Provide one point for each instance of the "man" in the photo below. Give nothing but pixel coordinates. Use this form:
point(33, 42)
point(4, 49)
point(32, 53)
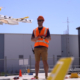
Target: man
point(41, 37)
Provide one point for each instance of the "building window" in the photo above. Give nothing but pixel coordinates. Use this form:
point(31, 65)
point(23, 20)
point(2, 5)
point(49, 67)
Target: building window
point(21, 60)
point(21, 56)
point(58, 57)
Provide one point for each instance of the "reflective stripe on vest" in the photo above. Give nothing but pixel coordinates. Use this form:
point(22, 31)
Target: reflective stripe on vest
point(45, 31)
point(42, 41)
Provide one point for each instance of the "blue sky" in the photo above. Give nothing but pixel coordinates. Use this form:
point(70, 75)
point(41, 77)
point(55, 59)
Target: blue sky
point(55, 13)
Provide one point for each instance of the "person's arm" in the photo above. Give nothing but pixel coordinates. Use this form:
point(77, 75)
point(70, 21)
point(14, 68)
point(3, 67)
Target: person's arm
point(48, 38)
point(33, 38)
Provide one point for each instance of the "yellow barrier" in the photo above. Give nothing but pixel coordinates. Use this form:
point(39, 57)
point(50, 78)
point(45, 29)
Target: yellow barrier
point(74, 75)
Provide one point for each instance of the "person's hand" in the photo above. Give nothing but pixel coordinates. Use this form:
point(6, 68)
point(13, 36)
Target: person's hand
point(36, 38)
point(43, 37)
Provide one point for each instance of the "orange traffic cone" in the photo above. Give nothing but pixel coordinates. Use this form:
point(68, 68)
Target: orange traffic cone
point(20, 73)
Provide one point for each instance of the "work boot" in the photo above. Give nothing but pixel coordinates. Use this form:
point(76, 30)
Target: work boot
point(36, 77)
point(46, 77)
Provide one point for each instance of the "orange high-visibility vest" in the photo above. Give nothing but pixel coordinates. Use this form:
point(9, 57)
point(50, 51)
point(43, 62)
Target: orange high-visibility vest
point(41, 41)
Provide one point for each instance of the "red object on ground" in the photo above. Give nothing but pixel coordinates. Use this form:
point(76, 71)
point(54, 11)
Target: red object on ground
point(66, 77)
point(15, 78)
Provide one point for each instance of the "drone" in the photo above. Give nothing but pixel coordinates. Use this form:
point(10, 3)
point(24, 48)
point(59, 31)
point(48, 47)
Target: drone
point(13, 21)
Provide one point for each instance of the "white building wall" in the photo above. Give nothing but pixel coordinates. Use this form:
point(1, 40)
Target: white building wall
point(74, 48)
point(20, 44)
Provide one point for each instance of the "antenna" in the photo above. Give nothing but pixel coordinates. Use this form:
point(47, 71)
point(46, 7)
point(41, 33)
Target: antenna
point(67, 31)
point(67, 39)
point(68, 25)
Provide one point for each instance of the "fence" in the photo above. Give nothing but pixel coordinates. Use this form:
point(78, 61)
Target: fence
point(13, 66)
